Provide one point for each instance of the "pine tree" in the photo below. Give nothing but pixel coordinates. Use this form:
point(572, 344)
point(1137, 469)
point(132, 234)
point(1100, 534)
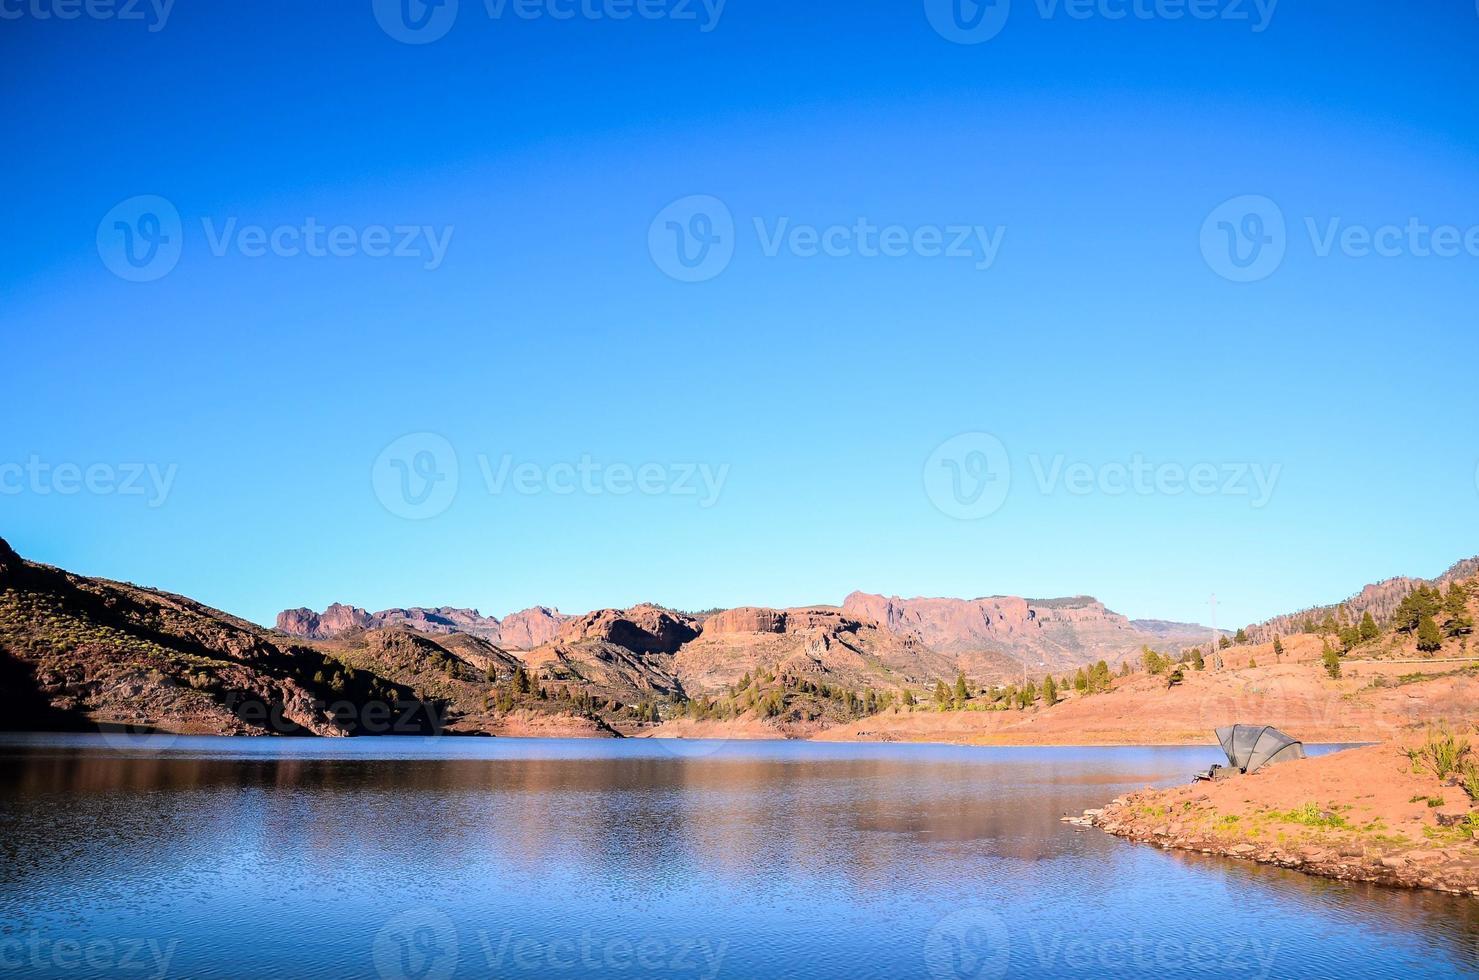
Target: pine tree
point(961, 693)
point(1198, 662)
point(1099, 677)
point(1081, 681)
point(1368, 628)
point(1242, 636)
point(1155, 663)
point(1331, 660)
point(1049, 692)
point(1125, 669)
point(942, 694)
point(1429, 639)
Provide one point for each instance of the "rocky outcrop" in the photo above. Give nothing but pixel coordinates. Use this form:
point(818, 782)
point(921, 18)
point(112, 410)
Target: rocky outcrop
point(642, 629)
point(1053, 634)
point(754, 619)
point(336, 619)
point(521, 630)
point(529, 628)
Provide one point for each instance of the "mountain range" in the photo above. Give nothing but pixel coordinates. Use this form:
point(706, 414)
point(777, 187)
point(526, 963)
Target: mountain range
point(921, 638)
point(78, 651)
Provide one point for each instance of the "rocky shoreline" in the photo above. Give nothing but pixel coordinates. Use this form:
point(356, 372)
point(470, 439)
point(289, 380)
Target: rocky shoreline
point(1334, 842)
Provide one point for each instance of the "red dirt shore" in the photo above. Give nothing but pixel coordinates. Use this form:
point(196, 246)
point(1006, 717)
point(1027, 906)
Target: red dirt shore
point(1359, 815)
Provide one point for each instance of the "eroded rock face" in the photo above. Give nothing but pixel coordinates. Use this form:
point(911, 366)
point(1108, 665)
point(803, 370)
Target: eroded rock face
point(322, 626)
point(529, 628)
point(643, 629)
point(521, 630)
point(1052, 633)
point(758, 619)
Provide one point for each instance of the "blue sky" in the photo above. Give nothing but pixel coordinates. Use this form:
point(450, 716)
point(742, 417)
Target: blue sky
point(816, 390)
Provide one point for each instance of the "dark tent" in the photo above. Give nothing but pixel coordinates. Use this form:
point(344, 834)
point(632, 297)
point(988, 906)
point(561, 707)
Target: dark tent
point(1251, 747)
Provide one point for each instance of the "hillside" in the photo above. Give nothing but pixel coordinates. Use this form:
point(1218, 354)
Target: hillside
point(1380, 599)
point(81, 653)
point(78, 652)
point(1320, 686)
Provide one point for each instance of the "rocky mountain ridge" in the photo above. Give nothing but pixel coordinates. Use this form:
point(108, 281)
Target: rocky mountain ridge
point(990, 638)
point(1380, 599)
point(522, 630)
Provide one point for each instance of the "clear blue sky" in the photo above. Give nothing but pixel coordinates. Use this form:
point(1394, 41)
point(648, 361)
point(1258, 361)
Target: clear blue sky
point(549, 332)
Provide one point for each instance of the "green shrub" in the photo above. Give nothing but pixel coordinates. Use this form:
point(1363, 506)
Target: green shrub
point(1469, 779)
point(1310, 815)
point(1442, 753)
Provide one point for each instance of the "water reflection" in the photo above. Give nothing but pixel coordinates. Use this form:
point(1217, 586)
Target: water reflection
point(805, 861)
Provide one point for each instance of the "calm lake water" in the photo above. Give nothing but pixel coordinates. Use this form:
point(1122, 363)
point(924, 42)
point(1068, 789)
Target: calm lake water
point(443, 857)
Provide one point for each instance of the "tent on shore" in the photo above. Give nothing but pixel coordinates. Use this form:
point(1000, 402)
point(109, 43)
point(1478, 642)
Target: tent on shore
point(1251, 747)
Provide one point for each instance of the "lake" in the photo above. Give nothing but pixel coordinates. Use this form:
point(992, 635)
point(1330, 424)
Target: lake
point(427, 858)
